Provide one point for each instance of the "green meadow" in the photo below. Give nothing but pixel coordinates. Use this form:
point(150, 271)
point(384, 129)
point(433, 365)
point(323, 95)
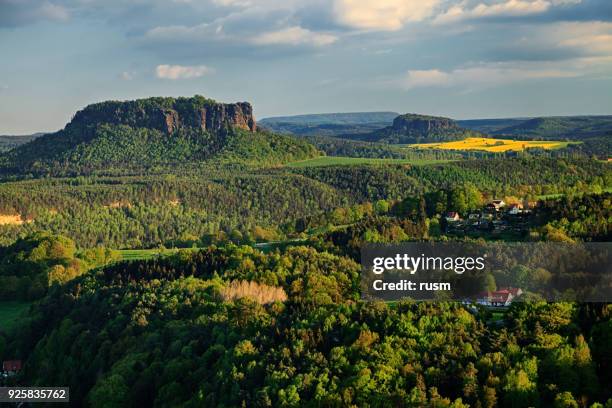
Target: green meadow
point(355, 161)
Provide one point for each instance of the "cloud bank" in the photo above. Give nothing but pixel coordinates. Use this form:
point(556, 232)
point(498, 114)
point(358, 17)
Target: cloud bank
point(174, 72)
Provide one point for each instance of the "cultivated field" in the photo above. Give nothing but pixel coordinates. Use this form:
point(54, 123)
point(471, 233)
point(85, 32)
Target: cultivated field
point(354, 161)
point(492, 145)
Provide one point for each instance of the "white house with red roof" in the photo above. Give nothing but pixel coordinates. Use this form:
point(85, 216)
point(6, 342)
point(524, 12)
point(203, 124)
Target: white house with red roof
point(452, 216)
point(498, 298)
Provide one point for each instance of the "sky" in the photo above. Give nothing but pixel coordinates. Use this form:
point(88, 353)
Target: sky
point(457, 58)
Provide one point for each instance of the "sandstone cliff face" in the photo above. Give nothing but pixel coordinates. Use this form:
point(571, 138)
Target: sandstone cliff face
point(412, 128)
point(168, 114)
point(422, 124)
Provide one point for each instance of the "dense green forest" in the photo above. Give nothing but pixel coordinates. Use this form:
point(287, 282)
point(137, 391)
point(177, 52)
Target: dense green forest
point(123, 147)
point(149, 210)
point(262, 306)
point(33, 264)
point(182, 330)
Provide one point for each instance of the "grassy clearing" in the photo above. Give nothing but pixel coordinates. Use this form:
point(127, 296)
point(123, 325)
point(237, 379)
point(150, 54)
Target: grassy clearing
point(492, 145)
point(10, 311)
point(141, 254)
point(355, 161)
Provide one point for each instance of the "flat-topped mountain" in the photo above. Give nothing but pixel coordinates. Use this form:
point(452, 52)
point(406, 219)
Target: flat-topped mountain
point(168, 114)
point(154, 131)
point(415, 128)
point(422, 125)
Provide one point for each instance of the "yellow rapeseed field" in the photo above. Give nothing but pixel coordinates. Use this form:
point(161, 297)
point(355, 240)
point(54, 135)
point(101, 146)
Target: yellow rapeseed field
point(491, 145)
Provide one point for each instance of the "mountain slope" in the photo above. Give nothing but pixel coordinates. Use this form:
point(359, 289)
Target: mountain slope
point(155, 131)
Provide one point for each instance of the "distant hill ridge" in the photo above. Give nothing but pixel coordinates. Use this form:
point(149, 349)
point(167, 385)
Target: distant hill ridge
point(352, 118)
point(385, 127)
point(8, 142)
point(548, 127)
point(329, 124)
point(357, 125)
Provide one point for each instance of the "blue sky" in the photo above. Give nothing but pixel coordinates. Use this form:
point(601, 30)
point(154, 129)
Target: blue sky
point(457, 58)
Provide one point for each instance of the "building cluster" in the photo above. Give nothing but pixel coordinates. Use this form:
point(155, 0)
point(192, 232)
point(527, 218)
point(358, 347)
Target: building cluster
point(495, 217)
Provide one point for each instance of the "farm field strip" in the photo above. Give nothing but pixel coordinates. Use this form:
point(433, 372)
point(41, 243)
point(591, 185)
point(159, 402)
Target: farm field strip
point(492, 145)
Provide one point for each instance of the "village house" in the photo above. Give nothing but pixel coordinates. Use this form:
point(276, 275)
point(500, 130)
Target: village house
point(496, 205)
point(452, 216)
point(11, 367)
point(515, 209)
point(498, 298)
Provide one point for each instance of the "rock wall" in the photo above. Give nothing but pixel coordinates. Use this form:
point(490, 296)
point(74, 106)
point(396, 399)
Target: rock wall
point(422, 124)
point(169, 114)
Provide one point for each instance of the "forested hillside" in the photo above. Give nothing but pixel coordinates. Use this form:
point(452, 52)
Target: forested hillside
point(554, 127)
point(179, 331)
point(167, 252)
point(149, 210)
point(152, 132)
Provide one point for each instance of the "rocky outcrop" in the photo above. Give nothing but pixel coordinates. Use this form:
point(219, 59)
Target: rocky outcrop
point(168, 114)
point(412, 128)
point(422, 124)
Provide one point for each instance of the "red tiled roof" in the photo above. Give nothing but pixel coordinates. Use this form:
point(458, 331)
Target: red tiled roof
point(11, 365)
point(499, 296)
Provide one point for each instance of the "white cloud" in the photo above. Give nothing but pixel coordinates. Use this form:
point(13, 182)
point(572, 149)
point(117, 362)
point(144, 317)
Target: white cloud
point(203, 31)
point(426, 78)
point(382, 15)
point(127, 75)
point(53, 12)
point(182, 71)
point(294, 36)
point(484, 75)
point(233, 3)
point(511, 8)
point(591, 37)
